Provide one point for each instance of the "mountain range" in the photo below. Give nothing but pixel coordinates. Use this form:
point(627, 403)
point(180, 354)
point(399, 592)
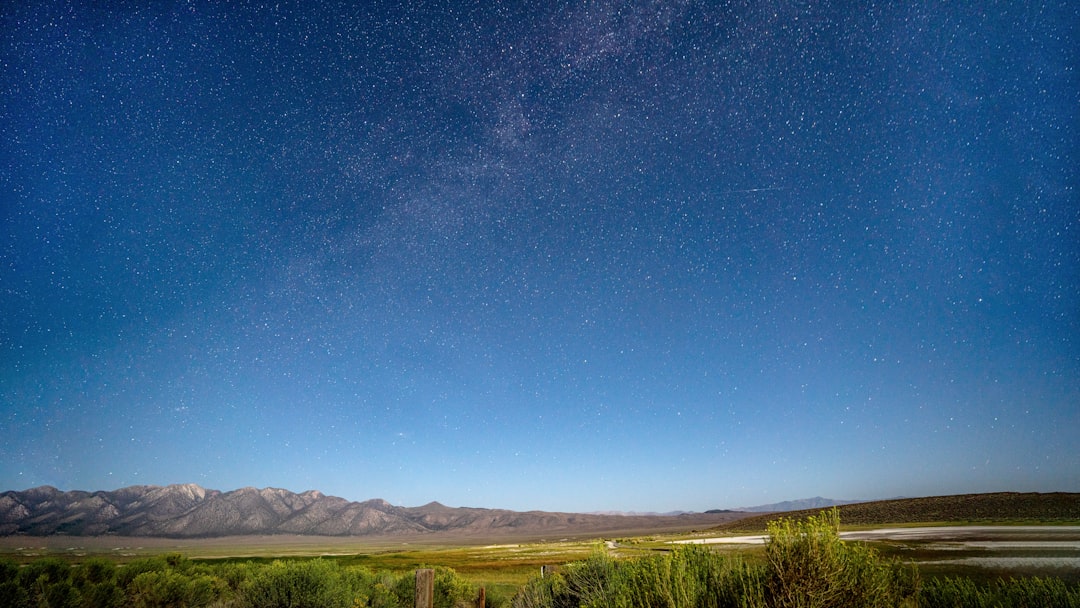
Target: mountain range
point(816, 502)
point(190, 511)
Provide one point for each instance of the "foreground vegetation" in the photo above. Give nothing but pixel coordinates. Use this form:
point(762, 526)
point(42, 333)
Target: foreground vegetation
point(804, 564)
point(172, 581)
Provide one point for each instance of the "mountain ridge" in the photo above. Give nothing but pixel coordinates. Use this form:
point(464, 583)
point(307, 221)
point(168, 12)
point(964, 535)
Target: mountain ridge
point(817, 502)
point(191, 511)
point(958, 509)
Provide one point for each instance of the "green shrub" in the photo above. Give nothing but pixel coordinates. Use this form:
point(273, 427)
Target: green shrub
point(12, 595)
point(551, 591)
point(38, 577)
point(298, 584)
point(61, 594)
point(451, 590)
point(498, 596)
point(379, 589)
point(810, 567)
point(949, 592)
point(1038, 592)
point(94, 570)
point(593, 582)
point(403, 590)
point(44, 571)
point(11, 592)
point(1032, 592)
point(688, 576)
point(9, 570)
point(384, 594)
point(235, 575)
point(102, 595)
point(126, 574)
point(172, 589)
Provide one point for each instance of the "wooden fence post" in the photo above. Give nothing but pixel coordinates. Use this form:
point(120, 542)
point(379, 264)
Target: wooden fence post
point(425, 588)
point(480, 602)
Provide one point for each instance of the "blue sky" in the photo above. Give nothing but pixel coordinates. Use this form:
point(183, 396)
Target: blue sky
point(586, 256)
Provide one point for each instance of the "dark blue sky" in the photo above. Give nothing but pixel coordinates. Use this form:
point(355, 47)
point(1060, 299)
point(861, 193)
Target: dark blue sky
point(570, 256)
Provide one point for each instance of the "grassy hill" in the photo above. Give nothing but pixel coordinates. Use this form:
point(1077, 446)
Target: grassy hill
point(995, 508)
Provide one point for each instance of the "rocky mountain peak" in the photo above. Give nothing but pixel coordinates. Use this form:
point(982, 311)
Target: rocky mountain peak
point(195, 491)
point(188, 510)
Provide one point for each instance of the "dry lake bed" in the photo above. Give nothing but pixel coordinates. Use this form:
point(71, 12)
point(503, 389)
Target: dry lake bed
point(1040, 550)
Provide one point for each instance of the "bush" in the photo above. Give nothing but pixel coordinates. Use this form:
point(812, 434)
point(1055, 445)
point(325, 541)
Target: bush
point(1036, 591)
point(593, 582)
point(61, 594)
point(9, 570)
point(298, 584)
point(39, 577)
point(94, 570)
point(688, 576)
point(1032, 592)
point(544, 592)
point(12, 595)
point(691, 575)
point(452, 591)
point(45, 571)
point(235, 575)
point(172, 589)
point(379, 589)
point(102, 595)
point(810, 567)
point(126, 574)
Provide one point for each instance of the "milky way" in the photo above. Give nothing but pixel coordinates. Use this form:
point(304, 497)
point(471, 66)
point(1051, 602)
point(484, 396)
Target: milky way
point(578, 256)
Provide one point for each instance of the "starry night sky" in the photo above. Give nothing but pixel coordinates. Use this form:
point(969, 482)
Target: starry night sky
point(553, 255)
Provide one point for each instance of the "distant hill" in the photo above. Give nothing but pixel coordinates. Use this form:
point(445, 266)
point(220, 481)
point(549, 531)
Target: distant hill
point(1000, 507)
point(648, 513)
point(190, 511)
point(816, 502)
